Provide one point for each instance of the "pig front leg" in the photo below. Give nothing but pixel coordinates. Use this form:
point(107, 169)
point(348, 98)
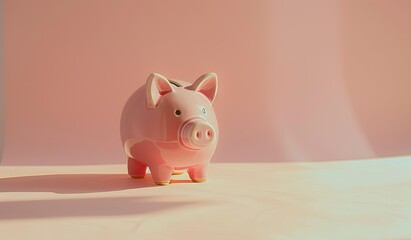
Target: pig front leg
point(198, 173)
point(135, 168)
point(161, 173)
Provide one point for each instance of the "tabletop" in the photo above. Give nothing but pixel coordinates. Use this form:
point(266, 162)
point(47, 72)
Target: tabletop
point(355, 199)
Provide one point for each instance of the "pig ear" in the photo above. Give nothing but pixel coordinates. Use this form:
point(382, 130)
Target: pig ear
point(207, 85)
point(156, 87)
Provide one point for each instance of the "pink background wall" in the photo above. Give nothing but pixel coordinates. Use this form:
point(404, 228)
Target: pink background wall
point(299, 80)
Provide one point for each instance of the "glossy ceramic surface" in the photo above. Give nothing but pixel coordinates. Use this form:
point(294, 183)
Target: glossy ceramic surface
point(169, 125)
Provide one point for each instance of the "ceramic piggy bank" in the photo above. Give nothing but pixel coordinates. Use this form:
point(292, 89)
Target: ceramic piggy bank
point(170, 126)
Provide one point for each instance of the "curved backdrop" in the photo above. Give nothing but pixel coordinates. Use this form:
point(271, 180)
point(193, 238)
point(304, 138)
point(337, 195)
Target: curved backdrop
point(299, 80)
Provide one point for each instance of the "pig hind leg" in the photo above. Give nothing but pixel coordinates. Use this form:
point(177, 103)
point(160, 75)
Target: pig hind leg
point(136, 169)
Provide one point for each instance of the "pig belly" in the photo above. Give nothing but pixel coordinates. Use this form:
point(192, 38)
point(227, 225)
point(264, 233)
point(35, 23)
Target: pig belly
point(171, 154)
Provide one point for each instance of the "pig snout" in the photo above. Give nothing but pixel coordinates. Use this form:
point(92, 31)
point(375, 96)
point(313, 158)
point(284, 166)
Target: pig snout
point(197, 134)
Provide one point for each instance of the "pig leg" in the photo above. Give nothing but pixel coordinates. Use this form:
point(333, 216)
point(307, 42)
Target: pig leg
point(198, 173)
point(135, 168)
point(161, 173)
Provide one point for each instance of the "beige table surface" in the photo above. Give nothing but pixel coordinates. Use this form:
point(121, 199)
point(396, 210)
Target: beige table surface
point(362, 199)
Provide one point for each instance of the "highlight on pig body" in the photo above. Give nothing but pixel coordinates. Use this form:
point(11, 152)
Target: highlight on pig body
point(169, 126)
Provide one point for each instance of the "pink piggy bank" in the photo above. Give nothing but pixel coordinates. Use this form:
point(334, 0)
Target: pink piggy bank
point(169, 126)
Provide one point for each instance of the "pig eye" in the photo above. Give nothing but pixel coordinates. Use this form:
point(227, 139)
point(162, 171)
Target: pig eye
point(177, 112)
point(204, 111)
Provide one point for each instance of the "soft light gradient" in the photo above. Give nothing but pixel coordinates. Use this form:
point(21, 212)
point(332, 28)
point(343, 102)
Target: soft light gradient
point(1, 82)
point(299, 80)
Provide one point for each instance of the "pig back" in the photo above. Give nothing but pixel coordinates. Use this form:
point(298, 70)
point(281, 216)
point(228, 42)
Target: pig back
point(138, 123)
